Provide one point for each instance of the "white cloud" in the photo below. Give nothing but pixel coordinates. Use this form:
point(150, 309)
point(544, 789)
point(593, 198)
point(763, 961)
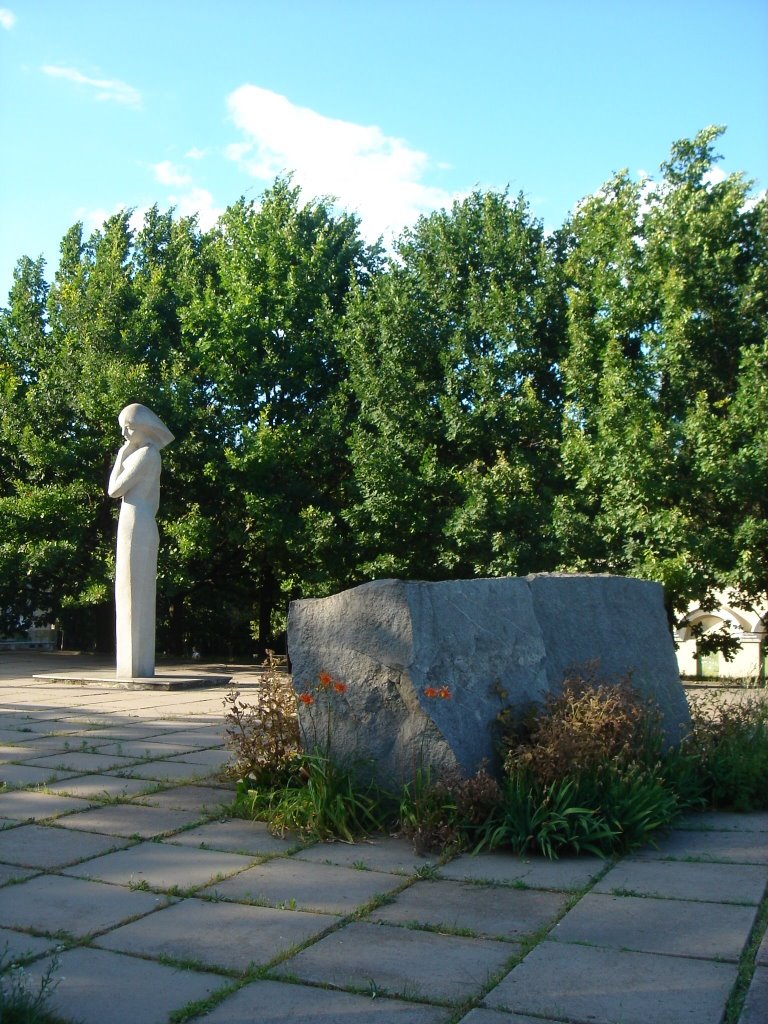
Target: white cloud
point(195, 153)
point(199, 202)
point(168, 174)
point(110, 90)
point(7, 18)
point(714, 175)
point(377, 176)
point(93, 220)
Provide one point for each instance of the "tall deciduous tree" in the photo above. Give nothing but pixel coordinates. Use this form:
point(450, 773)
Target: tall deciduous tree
point(453, 359)
point(665, 304)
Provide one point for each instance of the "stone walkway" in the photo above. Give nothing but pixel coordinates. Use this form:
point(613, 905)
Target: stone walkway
point(118, 867)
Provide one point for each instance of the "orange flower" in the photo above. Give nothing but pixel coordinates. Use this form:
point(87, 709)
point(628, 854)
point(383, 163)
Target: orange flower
point(340, 687)
point(430, 691)
point(306, 698)
point(444, 692)
point(325, 679)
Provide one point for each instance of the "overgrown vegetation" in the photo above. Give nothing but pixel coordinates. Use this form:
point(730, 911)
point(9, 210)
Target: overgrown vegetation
point(589, 771)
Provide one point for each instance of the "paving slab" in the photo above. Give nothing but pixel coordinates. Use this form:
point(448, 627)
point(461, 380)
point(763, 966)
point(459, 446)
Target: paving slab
point(685, 880)
point(568, 874)
point(18, 946)
point(28, 805)
point(161, 866)
point(96, 985)
point(52, 903)
point(401, 962)
point(130, 820)
point(732, 846)
point(162, 771)
point(122, 729)
point(149, 748)
point(100, 786)
point(15, 776)
point(26, 751)
point(489, 911)
point(204, 736)
point(214, 757)
point(13, 873)
point(82, 761)
point(37, 846)
point(481, 1016)
point(762, 953)
point(190, 798)
point(381, 853)
point(234, 836)
point(325, 888)
point(674, 927)
point(274, 1002)
point(224, 935)
point(754, 1009)
point(724, 821)
point(605, 986)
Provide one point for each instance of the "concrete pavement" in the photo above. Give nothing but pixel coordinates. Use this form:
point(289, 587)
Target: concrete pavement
point(119, 867)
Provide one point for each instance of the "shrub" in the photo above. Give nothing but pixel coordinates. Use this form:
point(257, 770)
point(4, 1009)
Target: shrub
point(587, 771)
point(589, 724)
point(447, 813)
point(729, 744)
point(264, 735)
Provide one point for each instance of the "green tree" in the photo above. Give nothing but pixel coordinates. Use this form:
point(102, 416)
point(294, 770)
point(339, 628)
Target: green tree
point(453, 358)
point(666, 300)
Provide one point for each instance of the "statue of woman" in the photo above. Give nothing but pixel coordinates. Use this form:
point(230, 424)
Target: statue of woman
point(135, 478)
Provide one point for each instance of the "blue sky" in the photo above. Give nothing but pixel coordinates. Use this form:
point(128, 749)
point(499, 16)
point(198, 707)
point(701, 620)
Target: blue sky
point(394, 106)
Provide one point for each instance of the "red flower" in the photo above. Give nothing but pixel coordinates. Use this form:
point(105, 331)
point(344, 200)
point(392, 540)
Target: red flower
point(325, 679)
point(430, 691)
point(340, 687)
point(444, 692)
point(306, 698)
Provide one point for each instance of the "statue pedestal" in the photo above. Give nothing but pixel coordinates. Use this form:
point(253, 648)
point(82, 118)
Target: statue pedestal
point(177, 681)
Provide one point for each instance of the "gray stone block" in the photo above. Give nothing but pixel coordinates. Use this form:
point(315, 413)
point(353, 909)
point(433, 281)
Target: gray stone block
point(96, 985)
point(605, 986)
point(684, 880)
point(485, 910)
point(401, 962)
point(485, 645)
point(680, 928)
point(274, 1002)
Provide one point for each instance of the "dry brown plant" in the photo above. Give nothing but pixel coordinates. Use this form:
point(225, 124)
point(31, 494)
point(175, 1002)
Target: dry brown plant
point(263, 734)
point(590, 723)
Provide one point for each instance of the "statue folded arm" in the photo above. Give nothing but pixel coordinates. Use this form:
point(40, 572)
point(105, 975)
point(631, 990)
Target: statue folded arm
point(132, 466)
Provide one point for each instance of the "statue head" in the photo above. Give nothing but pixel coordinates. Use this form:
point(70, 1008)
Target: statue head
point(137, 421)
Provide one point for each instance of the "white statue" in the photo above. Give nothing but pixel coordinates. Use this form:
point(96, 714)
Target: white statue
point(135, 478)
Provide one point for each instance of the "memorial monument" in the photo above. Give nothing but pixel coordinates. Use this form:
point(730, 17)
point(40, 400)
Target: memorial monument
point(135, 478)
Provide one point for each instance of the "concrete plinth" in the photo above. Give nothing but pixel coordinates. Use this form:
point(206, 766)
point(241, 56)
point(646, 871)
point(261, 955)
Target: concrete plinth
point(167, 682)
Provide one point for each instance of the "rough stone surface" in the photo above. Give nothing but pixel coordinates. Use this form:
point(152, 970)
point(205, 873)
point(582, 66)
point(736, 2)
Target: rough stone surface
point(493, 643)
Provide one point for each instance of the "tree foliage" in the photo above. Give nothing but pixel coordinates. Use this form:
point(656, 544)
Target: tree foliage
point(489, 399)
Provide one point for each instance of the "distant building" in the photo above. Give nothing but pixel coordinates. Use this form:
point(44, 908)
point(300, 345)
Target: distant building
point(748, 627)
point(36, 638)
